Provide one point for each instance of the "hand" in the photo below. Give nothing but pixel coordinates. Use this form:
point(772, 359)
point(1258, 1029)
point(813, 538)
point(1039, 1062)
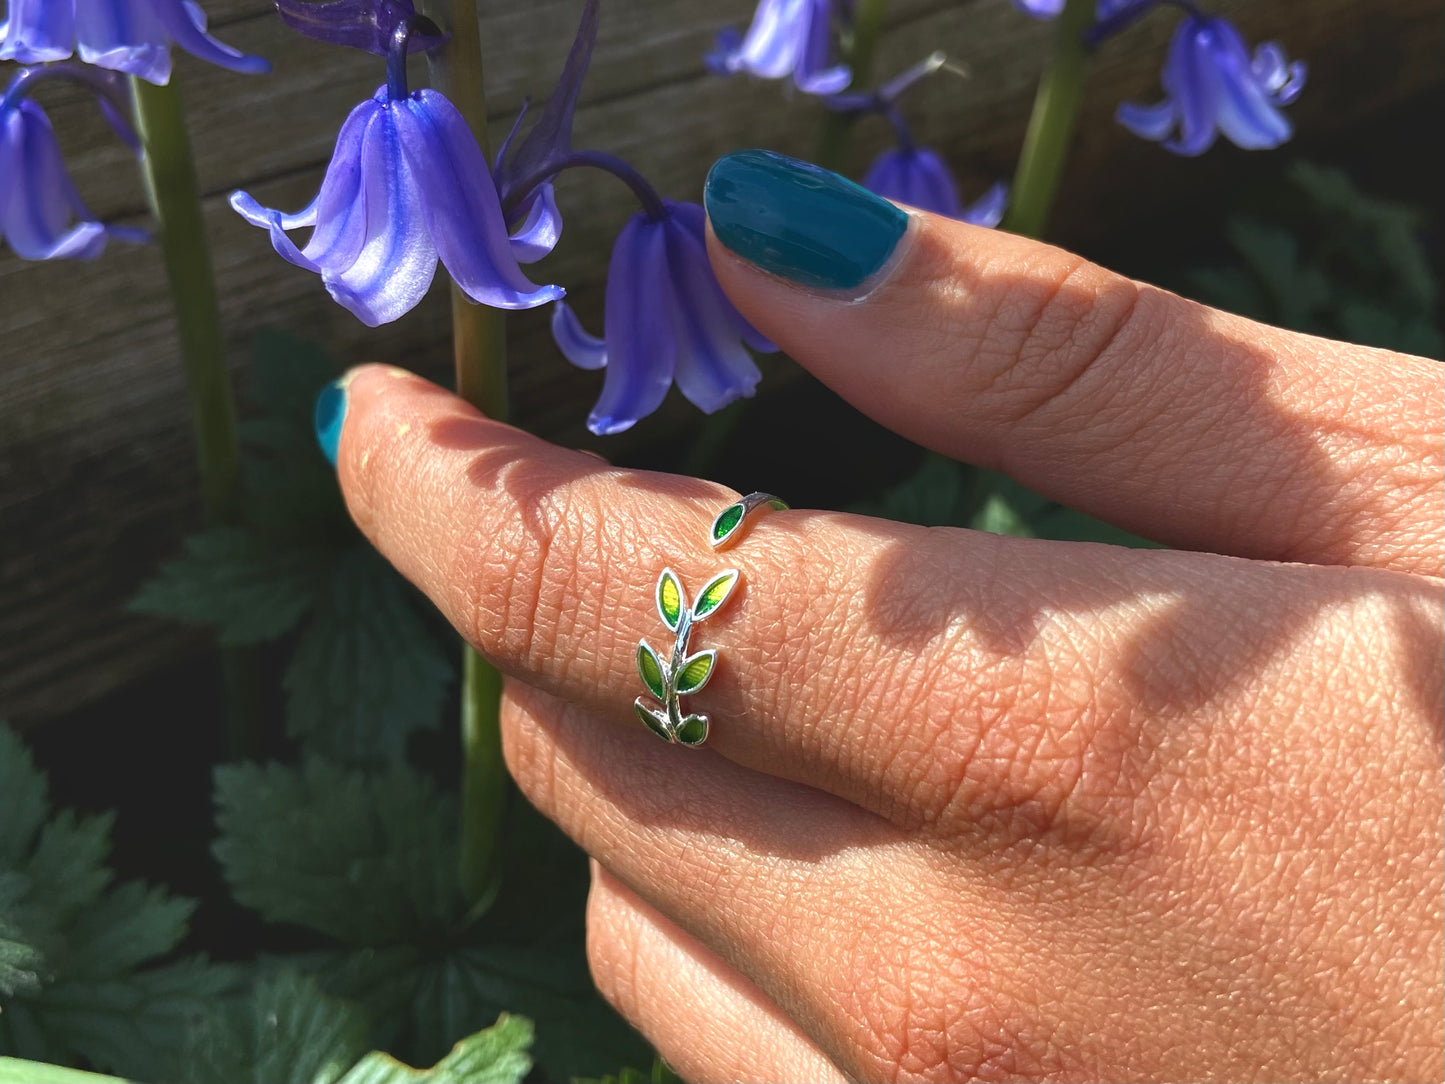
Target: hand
point(973, 806)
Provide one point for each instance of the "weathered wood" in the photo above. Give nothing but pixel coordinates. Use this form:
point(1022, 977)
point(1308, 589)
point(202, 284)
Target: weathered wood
point(96, 479)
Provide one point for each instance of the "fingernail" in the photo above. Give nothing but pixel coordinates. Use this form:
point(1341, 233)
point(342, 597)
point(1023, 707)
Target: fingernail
point(330, 413)
point(800, 222)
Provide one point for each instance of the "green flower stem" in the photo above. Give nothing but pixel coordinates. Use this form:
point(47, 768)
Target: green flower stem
point(857, 54)
point(1051, 126)
point(175, 199)
point(479, 347)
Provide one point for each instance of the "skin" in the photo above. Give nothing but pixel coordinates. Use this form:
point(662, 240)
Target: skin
point(974, 807)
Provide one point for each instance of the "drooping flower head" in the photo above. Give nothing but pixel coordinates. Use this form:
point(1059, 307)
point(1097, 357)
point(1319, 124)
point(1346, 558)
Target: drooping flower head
point(918, 177)
point(42, 216)
point(1104, 9)
point(667, 321)
point(1214, 86)
point(786, 38)
point(407, 184)
point(132, 36)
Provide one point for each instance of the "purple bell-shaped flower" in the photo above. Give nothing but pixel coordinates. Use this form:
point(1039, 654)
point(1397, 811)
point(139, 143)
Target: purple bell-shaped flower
point(918, 177)
point(787, 37)
point(42, 216)
point(132, 36)
point(1213, 86)
point(667, 320)
point(407, 185)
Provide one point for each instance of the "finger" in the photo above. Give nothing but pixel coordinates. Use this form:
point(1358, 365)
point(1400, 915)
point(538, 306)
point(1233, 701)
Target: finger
point(1185, 424)
point(942, 679)
point(707, 1020)
point(779, 880)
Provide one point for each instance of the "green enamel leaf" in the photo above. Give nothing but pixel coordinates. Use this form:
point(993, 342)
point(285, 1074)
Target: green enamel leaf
point(693, 730)
point(669, 599)
point(650, 667)
point(715, 593)
point(726, 523)
point(655, 721)
point(777, 504)
point(695, 672)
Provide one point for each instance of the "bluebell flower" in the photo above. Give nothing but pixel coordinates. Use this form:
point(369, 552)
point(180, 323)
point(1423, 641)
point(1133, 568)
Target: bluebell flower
point(787, 37)
point(918, 177)
point(1104, 9)
point(42, 216)
point(1213, 86)
point(667, 320)
point(133, 36)
point(407, 184)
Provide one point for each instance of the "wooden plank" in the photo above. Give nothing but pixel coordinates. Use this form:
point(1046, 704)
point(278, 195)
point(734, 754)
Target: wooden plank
point(95, 469)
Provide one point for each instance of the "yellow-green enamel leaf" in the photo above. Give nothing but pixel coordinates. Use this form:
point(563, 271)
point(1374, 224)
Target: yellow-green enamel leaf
point(695, 672)
point(649, 666)
point(693, 730)
point(715, 593)
point(669, 599)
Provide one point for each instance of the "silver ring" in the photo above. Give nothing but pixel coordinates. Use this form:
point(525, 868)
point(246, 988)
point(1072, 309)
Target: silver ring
point(682, 674)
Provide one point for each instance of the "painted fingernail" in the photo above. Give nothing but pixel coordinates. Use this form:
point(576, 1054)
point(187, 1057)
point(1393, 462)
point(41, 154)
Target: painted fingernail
point(799, 221)
point(330, 413)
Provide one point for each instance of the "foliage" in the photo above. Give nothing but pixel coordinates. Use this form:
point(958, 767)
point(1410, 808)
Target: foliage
point(80, 971)
point(367, 666)
point(660, 1073)
point(1322, 257)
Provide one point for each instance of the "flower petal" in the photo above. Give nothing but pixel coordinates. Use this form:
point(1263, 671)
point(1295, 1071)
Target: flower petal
point(124, 35)
point(713, 366)
point(1245, 112)
point(1148, 121)
point(42, 202)
point(641, 344)
point(772, 45)
point(398, 260)
point(36, 31)
point(460, 206)
point(1193, 84)
point(813, 75)
point(186, 24)
point(988, 210)
point(581, 349)
point(541, 229)
point(693, 218)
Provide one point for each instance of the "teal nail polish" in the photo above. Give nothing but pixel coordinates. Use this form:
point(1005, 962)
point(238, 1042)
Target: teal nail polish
point(330, 413)
point(800, 222)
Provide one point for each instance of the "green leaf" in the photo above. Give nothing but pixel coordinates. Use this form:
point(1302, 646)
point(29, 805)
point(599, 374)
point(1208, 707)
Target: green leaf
point(249, 588)
point(368, 859)
point(997, 516)
point(649, 666)
point(19, 1071)
point(669, 599)
point(693, 730)
point(726, 523)
point(654, 720)
point(287, 1032)
point(368, 670)
point(715, 593)
point(498, 1055)
point(661, 1073)
point(77, 955)
point(696, 672)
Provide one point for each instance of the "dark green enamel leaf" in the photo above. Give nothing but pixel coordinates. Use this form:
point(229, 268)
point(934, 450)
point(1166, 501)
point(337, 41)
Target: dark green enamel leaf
point(693, 730)
point(655, 721)
point(669, 599)
point(715, 593)
point(650, 667)
point(726, 523)
point(695, 672)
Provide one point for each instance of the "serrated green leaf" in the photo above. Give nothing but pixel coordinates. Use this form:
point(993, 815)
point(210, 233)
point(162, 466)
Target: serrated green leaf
point(25, 804)
point(367, 670)
point(715, 593)
point(286, 1032)
point(669, 599)
point(498, 1055)
point(939, 494)
point(20, 961)
point(19, 1071)
point(368, 859)
point(696, 672)
point(649, 667)
point(251, 589)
